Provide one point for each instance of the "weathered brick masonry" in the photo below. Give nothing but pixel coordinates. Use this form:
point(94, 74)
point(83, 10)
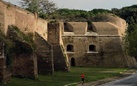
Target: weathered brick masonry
point(61, 45)
point(5, 73)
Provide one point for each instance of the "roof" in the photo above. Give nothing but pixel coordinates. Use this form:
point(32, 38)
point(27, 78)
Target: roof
point(105, 28)
point(78, 27)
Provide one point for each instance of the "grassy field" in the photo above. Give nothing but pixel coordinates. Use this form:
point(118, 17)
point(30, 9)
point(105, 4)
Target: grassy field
point(63, 78)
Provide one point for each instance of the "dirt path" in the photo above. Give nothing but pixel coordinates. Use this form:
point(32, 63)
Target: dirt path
point(99, 82)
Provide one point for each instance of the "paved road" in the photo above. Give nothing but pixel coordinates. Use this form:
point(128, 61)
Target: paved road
point(128, 81)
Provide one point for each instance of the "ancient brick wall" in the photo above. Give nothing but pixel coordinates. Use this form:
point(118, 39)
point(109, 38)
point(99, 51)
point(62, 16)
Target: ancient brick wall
point(41, 28)
point(60, 62)
point(53, 33)
point(2, 14)
point(54, 38)
point(105, 28)
point(108, 52)
point(77, 27)
point(106, 45)
point(25, 65)
point(5, 73)
point(44, 56)
point(24, 20)
point(111, 52)
point(10, 13)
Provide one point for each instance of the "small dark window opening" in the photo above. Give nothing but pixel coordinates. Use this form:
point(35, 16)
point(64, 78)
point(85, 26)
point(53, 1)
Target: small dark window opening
point(92, 48)
point(70, 48)
point(72, 61)
point(89, 26)
point(66, 28)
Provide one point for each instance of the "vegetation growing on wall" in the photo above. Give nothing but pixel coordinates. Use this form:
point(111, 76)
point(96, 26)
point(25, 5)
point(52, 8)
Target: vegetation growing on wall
point(16, 42)
point(8, 46)
point(23, 42)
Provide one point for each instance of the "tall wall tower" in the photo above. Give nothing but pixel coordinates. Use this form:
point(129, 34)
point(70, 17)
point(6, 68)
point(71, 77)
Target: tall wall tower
point(54, 38)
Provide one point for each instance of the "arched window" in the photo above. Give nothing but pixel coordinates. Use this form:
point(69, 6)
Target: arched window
point(92, 48)
point(70, 48)
point(72, 61)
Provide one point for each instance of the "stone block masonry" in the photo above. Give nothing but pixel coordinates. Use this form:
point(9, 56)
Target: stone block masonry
point(25, 66)
point(44, 56)
point(5, 73)
point(54, 38)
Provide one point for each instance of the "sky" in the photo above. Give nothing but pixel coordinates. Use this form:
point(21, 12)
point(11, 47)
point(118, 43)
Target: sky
point(88, 4)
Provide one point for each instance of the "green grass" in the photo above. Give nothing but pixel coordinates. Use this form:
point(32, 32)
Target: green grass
point(62, 78)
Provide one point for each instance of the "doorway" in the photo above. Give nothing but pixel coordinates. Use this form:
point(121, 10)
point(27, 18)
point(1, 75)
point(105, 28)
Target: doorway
point(73, 62)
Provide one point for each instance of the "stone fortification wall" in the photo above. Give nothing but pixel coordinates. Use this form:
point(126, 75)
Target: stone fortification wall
point(2, 15)
point(54, 33)
point(117, 21)
point(10, 13)
point(54, 38)
point(121, 23)
point(5, 73)
point(24, 20)
point(25, 65)
point(105, 28)
point(77, 27)
point(44, 56)
point(111, 53)
point(106, 42)
point(108, 52)
point(41, 28)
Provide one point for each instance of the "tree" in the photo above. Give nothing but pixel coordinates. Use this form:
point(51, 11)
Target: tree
point(131, 40)
point(129, 14)
point(48, 6)
point(39, 6)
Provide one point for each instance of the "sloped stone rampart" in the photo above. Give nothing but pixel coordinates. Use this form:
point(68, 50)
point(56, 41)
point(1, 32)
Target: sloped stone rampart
point(44, 55)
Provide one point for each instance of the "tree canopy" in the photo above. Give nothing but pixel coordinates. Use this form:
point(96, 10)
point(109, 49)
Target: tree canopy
point(130, 15)
point(39, 6)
